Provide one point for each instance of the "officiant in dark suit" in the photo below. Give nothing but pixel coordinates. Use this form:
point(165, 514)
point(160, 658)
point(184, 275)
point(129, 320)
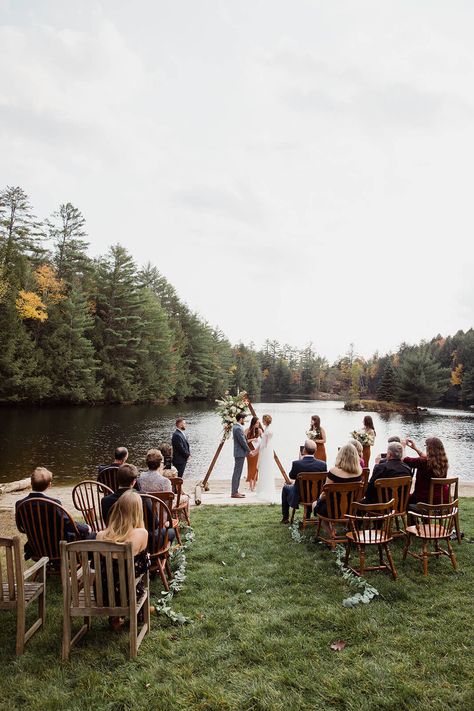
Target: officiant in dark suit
point(180, 444)
point(290, 494)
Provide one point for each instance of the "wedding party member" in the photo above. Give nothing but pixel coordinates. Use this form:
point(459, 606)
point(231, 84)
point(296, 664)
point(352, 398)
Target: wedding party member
point(265, 487)
point(290, 495)
point(390, 467)
point(120, 457)
point(367, 434)
point(180, 444)
point(318, 435)
point(432, 464)
point(252, 435)
point(241, 449)
point(153, 481)
point(346, 470)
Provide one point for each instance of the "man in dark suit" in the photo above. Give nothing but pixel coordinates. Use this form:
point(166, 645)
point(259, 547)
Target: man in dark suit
point(241, 449)
point(120, 457)
point(390, 467)
point(290, 495)
point(180, 444)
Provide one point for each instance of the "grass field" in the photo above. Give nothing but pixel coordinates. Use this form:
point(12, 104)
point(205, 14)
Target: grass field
point(260, 632)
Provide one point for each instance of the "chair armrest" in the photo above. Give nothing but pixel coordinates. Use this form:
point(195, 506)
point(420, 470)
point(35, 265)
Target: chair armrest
point(34, 568)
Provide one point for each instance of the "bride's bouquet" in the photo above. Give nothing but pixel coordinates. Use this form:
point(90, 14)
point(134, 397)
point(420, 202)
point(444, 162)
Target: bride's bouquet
point(366, 439)
point(228, 408)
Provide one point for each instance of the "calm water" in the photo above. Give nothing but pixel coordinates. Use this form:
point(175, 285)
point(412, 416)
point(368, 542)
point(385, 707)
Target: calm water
point(72, 441)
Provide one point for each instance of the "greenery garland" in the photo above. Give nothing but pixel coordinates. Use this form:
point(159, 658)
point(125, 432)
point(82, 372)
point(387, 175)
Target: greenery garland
point(178, 557)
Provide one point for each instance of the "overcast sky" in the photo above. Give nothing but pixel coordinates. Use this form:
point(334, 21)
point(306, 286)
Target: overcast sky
point(299, 170)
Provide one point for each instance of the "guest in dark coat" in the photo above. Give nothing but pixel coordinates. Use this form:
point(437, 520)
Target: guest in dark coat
point(290, 495)
point(390, 467)
point(180, 444)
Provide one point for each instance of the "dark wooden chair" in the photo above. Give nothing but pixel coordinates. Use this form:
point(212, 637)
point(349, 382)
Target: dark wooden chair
point(398, 489)
point(168, 498)
point(45, 524)
point(18, 591)
point(181, 505)
point(339, 498)
point(371, 525)
point(445, 491)
point(157, 518)
point(98, 580)
point(108, 477)
point(365, 482)
point(433, 523)
point(86, 497)
point(309, 486)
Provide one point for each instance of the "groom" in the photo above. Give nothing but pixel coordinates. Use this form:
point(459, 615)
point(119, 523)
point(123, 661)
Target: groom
point(241, 449)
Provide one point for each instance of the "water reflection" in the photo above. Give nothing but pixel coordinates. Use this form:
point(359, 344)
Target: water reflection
point(73, 441)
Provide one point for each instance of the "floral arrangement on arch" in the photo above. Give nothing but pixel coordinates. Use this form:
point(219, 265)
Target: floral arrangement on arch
point(228, 408)
point(366, 439)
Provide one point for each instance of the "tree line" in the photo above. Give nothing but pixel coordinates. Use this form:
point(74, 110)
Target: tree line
point(78, 329)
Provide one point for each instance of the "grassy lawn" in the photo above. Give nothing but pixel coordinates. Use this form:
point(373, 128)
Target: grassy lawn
point(410, 648)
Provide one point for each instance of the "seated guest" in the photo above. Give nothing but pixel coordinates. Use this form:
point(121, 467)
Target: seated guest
point(395, 438)
point(290, 495)
point(153, 481)
point(120, 457)
point(390, 467)
point(346, 470)
point(169, 471)
point(41, 481)
point(360, 450)
point(432, 464)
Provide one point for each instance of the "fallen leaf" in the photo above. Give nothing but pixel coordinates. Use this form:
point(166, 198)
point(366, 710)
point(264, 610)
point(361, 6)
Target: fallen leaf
point(338, 646)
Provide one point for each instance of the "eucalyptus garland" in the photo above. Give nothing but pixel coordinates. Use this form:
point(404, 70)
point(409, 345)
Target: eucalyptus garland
point(178, 558)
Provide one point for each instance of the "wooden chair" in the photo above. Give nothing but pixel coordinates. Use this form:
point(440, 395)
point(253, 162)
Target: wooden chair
point(365, 482)
point(433, 523)
point(98, 580)
point(45, 524)
point(371, 525)
point(181, 507)
point(168, 498)
point(108, 477)
point(339, 498)
point(156, 516)
point(438, 493)
point(309, 485)
point(86, 497)
point(17, 591)
point(398, 489)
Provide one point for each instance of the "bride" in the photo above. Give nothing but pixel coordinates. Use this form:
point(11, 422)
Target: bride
point(265, 488)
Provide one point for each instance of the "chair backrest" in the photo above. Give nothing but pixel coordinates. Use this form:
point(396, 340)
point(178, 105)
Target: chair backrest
point(443, 491)
point(11, 573)
point(339, 498)
point(86, 497)
point(371, 523)
point(157, 517)
point(45, 524)
point(177, 486)
point(396, 488)
point(365, 481)
point(108, 476)
point(98, 574)
point(435, 520)
point(310, 485)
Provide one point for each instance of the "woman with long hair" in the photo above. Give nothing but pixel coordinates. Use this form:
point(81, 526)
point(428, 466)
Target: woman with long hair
point(318, 435)
point(253, 434)
point(367, 438)
point(432, 464)
point(266, 468)
point(346, 470)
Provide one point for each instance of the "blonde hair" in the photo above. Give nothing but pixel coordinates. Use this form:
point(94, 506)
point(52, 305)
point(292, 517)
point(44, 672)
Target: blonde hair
point(357, 445)
point(125, 515)
point(348, 460)
point(267, 419)
point(41, 479)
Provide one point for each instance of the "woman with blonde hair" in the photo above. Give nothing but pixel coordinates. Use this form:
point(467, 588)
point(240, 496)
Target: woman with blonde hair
point(360, 450)
point(265, 488)
point(346, 470)
point(432, 464)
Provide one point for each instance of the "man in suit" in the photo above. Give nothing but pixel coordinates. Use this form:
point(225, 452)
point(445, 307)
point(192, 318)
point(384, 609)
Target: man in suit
point(241, 449)
point(390, 467)
point(290, 495)
point(180, 444)
point(120, 457)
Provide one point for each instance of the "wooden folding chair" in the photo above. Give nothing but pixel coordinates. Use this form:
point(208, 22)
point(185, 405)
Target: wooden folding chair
point(108, 476)
point(433, 523)
point(158, 518)
point(445, 491)
point(396, 488)
point(181, 506)
point(370, 525)
point(18, 591)
point(86, 497)
point(105, 587)
point(309, 486)
point(45, 524)
point(339, 498)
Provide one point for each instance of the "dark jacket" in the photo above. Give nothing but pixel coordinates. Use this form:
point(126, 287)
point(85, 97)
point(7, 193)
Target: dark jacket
point(108, 501)
point(385, 470)
point(181, 450)
point(308, 463)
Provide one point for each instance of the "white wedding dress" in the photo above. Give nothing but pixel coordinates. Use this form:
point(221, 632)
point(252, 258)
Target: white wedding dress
point(265, 488)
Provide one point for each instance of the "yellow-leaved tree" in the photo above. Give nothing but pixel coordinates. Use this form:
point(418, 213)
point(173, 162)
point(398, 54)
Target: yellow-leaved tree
point(50, 287)
point(30, 306)
point(456, 375)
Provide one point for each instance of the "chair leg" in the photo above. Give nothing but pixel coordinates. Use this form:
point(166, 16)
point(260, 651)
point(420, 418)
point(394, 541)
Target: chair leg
point(381, 560)
point(362, 559)
point(292, 517)
point(186, 516)
point(20, 627)
point(407, 546)
point(178, 534)
point(425, 558)
point(168, 568)
point(390, 561)
point(66, 643)
point(133, 634)
point(457, 528)
point(163, 576)
point(451, 555)
point(348, 552)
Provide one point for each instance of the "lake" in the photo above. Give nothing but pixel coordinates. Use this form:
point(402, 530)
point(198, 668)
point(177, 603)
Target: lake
point(72, 441)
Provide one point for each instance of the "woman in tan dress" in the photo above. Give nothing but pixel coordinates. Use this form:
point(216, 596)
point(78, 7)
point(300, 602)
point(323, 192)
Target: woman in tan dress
point(319, 437)
point(252, 434)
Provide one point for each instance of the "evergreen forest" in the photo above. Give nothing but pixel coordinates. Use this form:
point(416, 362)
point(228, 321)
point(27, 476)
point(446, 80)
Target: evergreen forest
point(77, 329)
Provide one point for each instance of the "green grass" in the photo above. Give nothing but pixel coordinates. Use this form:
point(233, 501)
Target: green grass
point(270, 648)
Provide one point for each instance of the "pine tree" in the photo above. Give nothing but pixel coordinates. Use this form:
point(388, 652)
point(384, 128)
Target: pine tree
point(421, 380)
point(67, 230)
point(20, 232)
point(388, 384)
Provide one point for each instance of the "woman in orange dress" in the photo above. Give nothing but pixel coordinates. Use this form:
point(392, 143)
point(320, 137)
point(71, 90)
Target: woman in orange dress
point(252, 434)
point(318, 435)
